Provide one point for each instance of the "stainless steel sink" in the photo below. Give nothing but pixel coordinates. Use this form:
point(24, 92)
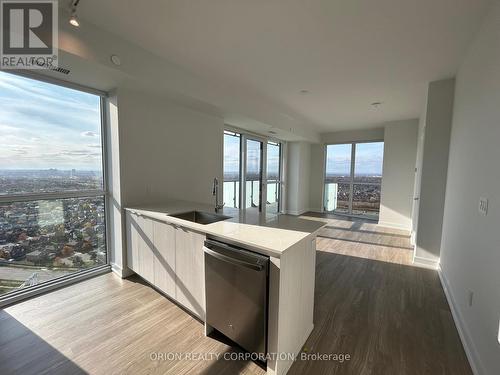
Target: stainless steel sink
point(200, 217)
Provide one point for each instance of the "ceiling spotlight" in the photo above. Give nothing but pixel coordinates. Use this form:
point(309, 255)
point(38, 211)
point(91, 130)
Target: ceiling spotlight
point(272, 132)
point(376, 104)
point(73, 20)
point(304, 92)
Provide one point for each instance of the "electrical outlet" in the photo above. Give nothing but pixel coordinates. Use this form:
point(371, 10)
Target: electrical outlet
point(471, 298)
point(483, 206)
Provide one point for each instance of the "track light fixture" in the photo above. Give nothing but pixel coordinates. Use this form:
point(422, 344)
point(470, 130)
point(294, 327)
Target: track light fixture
point(73, 20)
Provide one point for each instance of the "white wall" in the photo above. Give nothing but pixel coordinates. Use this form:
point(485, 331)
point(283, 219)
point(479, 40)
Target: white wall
point(438, 120)
point(376, 134)
point(298, 177)
point(166, 150)
point(317, 177)
point(117, 252)
point(418, 175)
point(400, 149)
point(470, 251)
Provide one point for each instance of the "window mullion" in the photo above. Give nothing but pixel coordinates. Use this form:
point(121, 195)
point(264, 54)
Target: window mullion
point(50, 196)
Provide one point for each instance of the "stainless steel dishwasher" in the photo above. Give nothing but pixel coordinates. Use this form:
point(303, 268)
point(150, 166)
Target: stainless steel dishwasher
point(236, 283)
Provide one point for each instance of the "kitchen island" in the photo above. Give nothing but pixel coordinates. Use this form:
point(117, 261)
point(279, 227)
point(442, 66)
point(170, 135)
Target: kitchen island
point(167, 251)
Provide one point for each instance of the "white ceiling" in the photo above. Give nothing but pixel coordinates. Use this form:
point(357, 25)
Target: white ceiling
point(347, 53)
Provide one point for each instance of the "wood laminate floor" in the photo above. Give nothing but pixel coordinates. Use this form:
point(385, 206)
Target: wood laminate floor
point(363, 239)
point(389, 318)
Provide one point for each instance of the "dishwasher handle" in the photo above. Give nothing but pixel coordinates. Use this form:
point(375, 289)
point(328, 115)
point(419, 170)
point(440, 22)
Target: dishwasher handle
point(235, 261)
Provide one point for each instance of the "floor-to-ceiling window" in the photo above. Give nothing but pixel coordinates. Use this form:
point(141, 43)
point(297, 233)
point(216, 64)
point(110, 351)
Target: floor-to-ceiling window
point(52, 189)
point(353, 178)
point(252, 172)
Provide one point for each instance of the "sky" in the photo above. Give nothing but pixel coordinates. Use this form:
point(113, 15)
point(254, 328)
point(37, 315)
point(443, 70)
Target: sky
point(48, 126)
point(369, 159)
point(232, 156)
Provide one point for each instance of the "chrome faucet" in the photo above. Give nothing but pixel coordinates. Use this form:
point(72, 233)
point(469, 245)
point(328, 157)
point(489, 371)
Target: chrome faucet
point(215, 192)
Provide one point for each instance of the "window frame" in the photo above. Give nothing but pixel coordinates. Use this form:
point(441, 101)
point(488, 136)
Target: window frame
point(280, 171)
point(351, 182)
point(233, 133)
point(80, 275)
point(244, 136)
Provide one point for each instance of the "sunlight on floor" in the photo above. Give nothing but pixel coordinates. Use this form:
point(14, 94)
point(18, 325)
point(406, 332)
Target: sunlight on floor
point(364, 239)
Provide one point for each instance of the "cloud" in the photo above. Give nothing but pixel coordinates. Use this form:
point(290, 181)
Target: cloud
point(89, 134)
point(47, 126)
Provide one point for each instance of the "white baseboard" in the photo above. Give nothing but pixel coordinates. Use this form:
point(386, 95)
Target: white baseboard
point(413, 238)
point(389, 224)
point(469, 347)
point(297, 213)
point(425, 262)
point(121, 272)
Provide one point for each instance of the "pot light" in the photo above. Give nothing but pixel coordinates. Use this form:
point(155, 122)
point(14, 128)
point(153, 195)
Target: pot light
point(376, 104)
point(304, 92)
point(116, 60)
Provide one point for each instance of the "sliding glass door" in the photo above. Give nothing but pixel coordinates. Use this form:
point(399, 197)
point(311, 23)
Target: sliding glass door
point(273, 166)
point(353, 178)
point(252, 172)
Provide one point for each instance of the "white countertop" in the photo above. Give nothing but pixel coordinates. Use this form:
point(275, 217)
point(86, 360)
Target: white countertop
point(269, 234)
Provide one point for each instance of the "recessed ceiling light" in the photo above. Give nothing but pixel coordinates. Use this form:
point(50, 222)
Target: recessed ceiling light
point(272, 132)
point(376, 104)
point(304, 92)
point(116, 60)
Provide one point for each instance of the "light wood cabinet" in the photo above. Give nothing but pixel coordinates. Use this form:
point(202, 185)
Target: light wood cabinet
point(146, 249)
point(132, 234)
point(190, 270)
point(170, 258)
point(164, 261)
point(140, 246)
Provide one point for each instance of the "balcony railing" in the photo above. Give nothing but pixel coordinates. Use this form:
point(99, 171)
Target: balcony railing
point(231, 192)
point(365, 200)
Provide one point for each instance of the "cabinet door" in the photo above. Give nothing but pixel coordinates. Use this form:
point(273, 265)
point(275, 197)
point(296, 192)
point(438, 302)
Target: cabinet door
point(132, 245)
point(164, 257)
point(190, 271)
point(145, 249)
